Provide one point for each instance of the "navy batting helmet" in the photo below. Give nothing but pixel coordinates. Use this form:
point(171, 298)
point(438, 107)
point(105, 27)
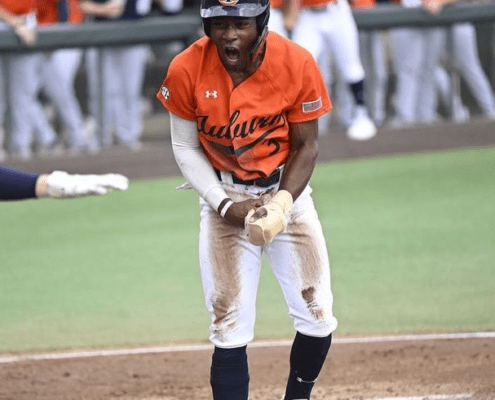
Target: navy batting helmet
point(259, 9)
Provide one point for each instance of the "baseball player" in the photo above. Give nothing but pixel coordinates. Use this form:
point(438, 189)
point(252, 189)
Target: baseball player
point(467, 61)
point(244, 105)
point(28, 117)
point(416, 54)
point(58, 73)
point(327, 27)
point(22, 185)
point(123, 74)
point(373, 56)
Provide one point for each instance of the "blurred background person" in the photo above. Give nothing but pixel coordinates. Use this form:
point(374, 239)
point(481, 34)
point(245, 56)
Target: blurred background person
point(373, 54)
point(464, 59)
point(327, 27)
point(58, 73)
point(416, 54)
point(28, 120)
point(123, 74)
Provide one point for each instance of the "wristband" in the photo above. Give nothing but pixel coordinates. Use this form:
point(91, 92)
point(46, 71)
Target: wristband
point(224, 206)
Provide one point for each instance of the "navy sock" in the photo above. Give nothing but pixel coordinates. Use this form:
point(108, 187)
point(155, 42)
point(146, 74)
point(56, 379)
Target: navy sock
point(357, 89)
point(307, 357)
point(229, 376)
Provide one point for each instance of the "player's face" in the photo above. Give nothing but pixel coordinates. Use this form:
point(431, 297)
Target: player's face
point(234, 38)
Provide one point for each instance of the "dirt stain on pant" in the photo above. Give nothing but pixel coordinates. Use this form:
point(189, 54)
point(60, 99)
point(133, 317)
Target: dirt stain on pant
point(225, 262)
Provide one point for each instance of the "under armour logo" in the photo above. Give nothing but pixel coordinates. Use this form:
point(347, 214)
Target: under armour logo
point(209, 94)
point(165, 92)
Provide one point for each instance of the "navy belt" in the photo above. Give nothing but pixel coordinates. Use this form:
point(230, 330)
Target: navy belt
point(260, 182)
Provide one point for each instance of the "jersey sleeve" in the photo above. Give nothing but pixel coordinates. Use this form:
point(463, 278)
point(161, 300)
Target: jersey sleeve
point(177, 90)
point(312, 101)
point(17, 184)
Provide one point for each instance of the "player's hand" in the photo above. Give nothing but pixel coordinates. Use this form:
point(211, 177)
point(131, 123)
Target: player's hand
point(269, 220)
point(27, 34)
point(114, 8)
point(433, 7)
point(63, 185)
point(237, 212)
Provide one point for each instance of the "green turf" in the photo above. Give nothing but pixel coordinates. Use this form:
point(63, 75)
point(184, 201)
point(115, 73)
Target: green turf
point(411, 242)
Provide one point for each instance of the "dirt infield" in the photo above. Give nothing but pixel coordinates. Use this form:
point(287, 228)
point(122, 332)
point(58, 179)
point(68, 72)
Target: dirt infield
point(450, 369)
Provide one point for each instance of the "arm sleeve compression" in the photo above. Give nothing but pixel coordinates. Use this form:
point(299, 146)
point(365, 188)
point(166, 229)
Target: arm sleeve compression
point(193, 163)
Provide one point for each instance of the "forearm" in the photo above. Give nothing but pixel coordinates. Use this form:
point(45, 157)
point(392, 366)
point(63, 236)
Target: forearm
point(299, 167)
point(193, 163)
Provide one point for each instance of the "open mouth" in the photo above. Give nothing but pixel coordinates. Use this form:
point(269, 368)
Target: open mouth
point(232, 54)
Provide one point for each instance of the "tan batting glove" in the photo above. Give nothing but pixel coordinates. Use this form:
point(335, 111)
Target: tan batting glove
point(27, 34)
point(269, 220)
point(62, 185)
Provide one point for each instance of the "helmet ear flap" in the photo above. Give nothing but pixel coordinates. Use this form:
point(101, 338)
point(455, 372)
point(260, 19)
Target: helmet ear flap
point(207, 26)
point(262, 20)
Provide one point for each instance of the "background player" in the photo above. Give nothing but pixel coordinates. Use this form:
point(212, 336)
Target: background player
point(123, 74)
point(28, 117)
point(327, 27)
point(244, 107)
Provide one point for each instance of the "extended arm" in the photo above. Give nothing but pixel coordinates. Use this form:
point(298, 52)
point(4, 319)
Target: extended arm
point(109, 9)
point(21, 185)
point(434, 7)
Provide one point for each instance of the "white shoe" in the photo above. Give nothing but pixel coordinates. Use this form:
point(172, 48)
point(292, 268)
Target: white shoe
point(362, 128)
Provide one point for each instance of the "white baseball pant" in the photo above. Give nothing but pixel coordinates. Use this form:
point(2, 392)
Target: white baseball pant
point(230, 269)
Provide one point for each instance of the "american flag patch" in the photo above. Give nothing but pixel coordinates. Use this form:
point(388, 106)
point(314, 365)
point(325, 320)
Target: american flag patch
point(311, 106)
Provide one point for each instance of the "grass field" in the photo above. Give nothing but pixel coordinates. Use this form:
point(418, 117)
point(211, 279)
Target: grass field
point(411, 242)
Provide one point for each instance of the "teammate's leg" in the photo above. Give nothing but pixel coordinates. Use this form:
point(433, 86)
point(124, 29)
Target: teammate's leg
point(432, 46)
point(340, 31)
point(128, 107)
point(468, 61)
point(407, 51)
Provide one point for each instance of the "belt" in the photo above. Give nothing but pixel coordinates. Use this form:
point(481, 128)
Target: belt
point(260, 182)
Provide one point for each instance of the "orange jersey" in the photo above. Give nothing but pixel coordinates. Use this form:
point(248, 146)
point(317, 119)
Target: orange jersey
point(48, 12)
point(362, 4)
point(245, 129)
point(303, 3)
point(19, 7)
point(76, 16)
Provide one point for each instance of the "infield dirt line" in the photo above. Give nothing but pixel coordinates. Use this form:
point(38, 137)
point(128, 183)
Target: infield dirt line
point(256, 344)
